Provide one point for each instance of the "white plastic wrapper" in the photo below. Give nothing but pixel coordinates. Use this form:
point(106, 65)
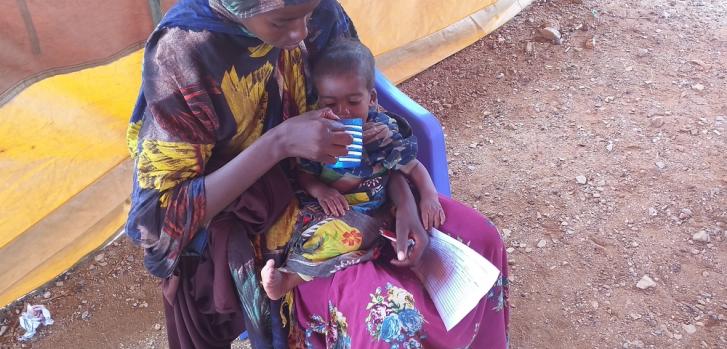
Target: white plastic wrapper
point(32, 318)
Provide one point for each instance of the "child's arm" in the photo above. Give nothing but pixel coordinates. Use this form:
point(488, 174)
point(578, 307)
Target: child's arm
point(430, 209)
point(332, 202)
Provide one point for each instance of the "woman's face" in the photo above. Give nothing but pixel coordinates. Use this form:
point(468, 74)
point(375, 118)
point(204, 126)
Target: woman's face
point(285, 27)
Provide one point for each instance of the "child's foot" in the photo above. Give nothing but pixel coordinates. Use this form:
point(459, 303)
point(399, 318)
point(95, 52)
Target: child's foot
point(273, 281)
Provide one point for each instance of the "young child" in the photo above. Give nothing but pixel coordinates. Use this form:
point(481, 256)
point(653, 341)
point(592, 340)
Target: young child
point(340, 225)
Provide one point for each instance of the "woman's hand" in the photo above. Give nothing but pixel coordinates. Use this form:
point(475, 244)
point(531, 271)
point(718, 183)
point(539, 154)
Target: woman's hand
point(315, 135)
point(408, 226)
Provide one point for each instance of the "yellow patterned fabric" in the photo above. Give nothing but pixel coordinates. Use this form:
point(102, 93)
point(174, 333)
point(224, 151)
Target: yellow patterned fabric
point(333, 239)
point(247, 100)
point(163, 165)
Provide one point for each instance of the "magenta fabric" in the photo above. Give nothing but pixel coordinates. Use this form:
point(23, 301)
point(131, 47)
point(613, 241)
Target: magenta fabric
point(377, 305)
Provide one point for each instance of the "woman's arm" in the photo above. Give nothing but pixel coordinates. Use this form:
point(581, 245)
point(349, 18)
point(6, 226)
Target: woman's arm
point(408, 225)
point(313, 135)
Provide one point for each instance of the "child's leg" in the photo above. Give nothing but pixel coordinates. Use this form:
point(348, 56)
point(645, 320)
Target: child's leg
point(277, 283)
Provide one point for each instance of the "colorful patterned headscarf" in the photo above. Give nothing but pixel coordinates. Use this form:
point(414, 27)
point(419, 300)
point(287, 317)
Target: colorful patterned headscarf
point(248, 8)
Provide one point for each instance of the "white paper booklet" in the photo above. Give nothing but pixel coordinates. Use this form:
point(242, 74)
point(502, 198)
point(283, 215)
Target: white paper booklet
point(455, 276)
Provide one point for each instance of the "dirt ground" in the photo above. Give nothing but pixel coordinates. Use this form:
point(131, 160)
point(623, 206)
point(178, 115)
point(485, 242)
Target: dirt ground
point(602, 160)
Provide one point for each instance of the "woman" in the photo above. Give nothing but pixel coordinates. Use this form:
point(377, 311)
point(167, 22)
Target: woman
point(224, 103)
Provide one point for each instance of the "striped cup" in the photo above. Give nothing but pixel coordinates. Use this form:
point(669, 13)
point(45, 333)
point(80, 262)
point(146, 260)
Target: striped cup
point(354, 127)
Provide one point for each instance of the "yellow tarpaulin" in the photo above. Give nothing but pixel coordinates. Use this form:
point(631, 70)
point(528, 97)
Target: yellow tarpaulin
point(65, 103)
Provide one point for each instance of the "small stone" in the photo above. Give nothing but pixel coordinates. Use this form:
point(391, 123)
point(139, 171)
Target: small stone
point(635, 316)
point(157, 327)
point(510, 250)
point(645, 282)
point(542, 243)
point(46, 295)
point(499, 76)
point(660, 164)
point(590, 43)
point(656, 122)
point(59, 283)
point(528, 250)
point(594, 304)
point(701, 236)
point(581, 179)
point(529, 48)
point(689, 329)
point(99, 257)
point(634, 344)
point(685, 213)
point(698, 87)
point(653, 211)
point(677, 336)
point(85, 315)
point(609, 146)
point(550, 34)
point(705, 273)
point(3, 329)
point(642, 52)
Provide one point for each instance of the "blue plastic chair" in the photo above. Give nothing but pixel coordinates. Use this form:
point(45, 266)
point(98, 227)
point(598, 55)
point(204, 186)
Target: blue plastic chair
point(430, 137)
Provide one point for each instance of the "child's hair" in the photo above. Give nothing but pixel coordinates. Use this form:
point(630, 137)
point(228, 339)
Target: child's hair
point(346, 56)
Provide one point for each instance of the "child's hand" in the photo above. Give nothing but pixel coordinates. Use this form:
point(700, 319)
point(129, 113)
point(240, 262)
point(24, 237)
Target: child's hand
point(332, 202)
point(374, 131)
point(432, 213)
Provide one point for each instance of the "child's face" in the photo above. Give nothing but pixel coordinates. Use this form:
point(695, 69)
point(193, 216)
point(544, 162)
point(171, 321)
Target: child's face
point(346, 94)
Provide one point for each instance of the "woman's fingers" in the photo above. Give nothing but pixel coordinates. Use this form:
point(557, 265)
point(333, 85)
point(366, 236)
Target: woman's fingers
point(421, 242)
point(340, 138)
point(402, 239)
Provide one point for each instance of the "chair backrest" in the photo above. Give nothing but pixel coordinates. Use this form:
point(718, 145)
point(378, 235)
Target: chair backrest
point(430, 137)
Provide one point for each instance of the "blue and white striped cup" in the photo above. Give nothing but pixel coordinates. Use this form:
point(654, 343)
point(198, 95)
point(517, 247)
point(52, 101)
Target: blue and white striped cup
point(354, 127)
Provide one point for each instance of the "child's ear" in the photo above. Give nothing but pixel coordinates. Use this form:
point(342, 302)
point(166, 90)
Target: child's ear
point(373, 102)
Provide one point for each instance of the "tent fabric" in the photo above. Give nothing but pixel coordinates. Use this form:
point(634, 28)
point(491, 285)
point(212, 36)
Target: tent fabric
point(69, 75)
